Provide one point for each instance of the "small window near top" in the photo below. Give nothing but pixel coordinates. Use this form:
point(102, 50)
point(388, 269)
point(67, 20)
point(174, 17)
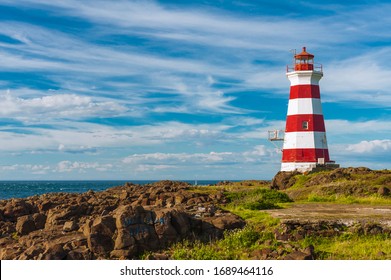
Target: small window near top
point(304, 125)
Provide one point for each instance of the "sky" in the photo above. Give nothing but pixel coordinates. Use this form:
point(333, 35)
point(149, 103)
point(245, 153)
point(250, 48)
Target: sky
point(151, 90)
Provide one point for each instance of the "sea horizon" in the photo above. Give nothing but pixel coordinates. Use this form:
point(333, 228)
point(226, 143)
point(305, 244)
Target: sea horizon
point(25, 188)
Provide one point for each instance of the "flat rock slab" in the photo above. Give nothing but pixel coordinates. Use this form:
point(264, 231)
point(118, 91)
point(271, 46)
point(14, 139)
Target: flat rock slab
point(337, 212)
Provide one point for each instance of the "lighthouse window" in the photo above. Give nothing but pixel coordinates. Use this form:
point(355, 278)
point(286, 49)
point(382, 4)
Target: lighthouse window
point(304, 125)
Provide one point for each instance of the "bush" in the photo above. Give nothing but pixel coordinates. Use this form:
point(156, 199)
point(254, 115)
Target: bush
point(260, 205)
point(258, 199)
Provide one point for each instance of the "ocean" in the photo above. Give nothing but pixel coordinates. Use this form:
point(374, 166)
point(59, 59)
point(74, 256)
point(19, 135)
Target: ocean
point(22, 189)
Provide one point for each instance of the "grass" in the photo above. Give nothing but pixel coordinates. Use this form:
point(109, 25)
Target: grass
point(347, 188)
point(231, 187)
point(349, 199)
point(255, 217)
point(350, 246)
point(232, 246)
point(240, 243)
point(257, 199)
point(248, 199)
point(236, 245)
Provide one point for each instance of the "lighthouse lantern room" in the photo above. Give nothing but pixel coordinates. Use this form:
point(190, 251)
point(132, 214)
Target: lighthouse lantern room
point(305, 144)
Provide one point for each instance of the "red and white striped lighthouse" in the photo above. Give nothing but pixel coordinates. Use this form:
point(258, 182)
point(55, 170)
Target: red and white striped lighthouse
point(305, 144)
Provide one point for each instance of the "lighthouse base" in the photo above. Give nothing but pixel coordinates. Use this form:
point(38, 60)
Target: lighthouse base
point(307, 166)
point(298, 166)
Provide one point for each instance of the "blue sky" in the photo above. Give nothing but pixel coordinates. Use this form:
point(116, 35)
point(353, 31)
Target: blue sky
point(183, 89)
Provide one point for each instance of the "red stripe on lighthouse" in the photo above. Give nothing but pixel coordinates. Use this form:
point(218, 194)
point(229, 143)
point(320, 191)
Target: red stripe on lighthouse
point(304, 155)
point(297, 123)
point(304, 91)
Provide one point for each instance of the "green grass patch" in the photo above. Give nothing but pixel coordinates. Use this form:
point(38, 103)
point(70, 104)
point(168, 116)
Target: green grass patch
point(247, 185)
point(236, 245)
point(257, 199)
point(349, 246)
point(300, 180)
point(349, 199)
point(260, 218)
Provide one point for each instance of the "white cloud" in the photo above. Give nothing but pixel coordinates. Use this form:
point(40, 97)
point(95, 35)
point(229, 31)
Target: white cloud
point(177, 160)
point(259, 151)
point(83, 137)
point(31, 168)
point(197, 158)
point(149, 167)
point(81, 167)
point(77, 149)
point(213, 56)
point(70, 106)
point(244, 121)
point(371, 147)
point(366, 129)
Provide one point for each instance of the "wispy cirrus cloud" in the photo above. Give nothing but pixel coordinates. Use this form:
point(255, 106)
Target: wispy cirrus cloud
point(259, 156)
point(68, 106)
point(90, 81)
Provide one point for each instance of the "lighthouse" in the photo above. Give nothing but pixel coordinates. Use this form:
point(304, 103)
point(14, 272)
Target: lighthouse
point(305, 143)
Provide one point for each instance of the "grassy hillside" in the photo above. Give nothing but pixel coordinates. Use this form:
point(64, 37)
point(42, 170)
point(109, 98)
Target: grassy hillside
point(265, 237)
point(350, 185)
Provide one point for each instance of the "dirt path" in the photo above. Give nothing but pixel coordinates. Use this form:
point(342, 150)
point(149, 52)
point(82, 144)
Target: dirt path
point(338, 212)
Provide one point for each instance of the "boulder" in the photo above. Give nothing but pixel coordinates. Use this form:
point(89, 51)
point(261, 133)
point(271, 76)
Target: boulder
point(299, 255)
point(180, 221)
point(100, 244)
point(16, 208)
point(39, 220)
point(10, 253)
point(25, 225)
point(383, 191)
point(119, 223)
point(227, 222)
point(122, 254)
point(283, 180)
point(124, 240)
point(100, 235)
point(70, 226)
point(163, 227)
point(79, 254)
point(45, 205)
point(32, 253)
point(55, 252)
point(127, 215)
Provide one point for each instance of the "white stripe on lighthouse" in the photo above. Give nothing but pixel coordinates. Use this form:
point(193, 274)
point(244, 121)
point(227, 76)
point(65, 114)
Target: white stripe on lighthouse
point(299, 166)
point(304, 106)
point(305, 140)
point(304, 77)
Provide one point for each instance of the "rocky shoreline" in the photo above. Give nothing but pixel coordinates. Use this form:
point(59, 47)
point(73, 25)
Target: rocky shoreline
point(143, 221)
point(118, 223)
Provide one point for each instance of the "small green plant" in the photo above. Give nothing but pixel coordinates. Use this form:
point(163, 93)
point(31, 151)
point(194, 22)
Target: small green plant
point(240, 238)
point(15, 236)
